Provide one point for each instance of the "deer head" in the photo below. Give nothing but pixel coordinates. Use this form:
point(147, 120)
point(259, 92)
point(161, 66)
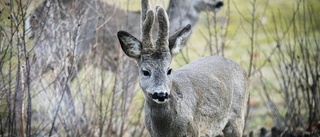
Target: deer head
point(209, 5)
point(154, 57)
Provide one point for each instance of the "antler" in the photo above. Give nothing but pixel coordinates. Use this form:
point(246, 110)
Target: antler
point(163, 34)
point(145, 6)
point(147, 19)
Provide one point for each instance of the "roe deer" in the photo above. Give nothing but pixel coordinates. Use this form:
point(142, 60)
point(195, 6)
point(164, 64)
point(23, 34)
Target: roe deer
point(87, 30)
point(205, 98)
point(70, 34)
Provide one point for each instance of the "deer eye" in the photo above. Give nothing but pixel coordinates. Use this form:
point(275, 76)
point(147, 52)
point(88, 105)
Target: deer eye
point(169, 71)
point(145, 73)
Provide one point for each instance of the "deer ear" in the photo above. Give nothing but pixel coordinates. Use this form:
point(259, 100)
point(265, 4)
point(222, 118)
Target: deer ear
point(130, 45)
point(178, 40)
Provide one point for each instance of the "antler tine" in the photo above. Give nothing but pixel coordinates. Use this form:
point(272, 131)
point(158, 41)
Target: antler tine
point(145, 6)
point(163, 34)
point(147, 19)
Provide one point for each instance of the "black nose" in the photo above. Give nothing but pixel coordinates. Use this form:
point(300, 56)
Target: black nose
point(160, 96)
point(219, 4)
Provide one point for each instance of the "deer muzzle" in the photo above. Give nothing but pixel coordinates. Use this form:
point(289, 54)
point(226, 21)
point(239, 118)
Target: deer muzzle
point(161, 97)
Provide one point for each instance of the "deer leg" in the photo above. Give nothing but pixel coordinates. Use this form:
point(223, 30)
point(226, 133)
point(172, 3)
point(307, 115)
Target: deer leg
point(234, 128)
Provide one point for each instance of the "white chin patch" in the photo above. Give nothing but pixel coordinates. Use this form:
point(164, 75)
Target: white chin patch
point(160, 101)
point(216, 9)
point(160, 98)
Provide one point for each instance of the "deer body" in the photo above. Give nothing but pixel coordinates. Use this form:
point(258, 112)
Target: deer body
point(205, 98)
point(201, 100)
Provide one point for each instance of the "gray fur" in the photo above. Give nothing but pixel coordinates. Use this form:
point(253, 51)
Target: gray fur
point(206, 98)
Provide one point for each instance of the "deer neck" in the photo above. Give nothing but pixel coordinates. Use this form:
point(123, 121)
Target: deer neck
point(162, 116)
point(160, 119)
point(161, 113)
point(182, 13)
point(166, 119)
